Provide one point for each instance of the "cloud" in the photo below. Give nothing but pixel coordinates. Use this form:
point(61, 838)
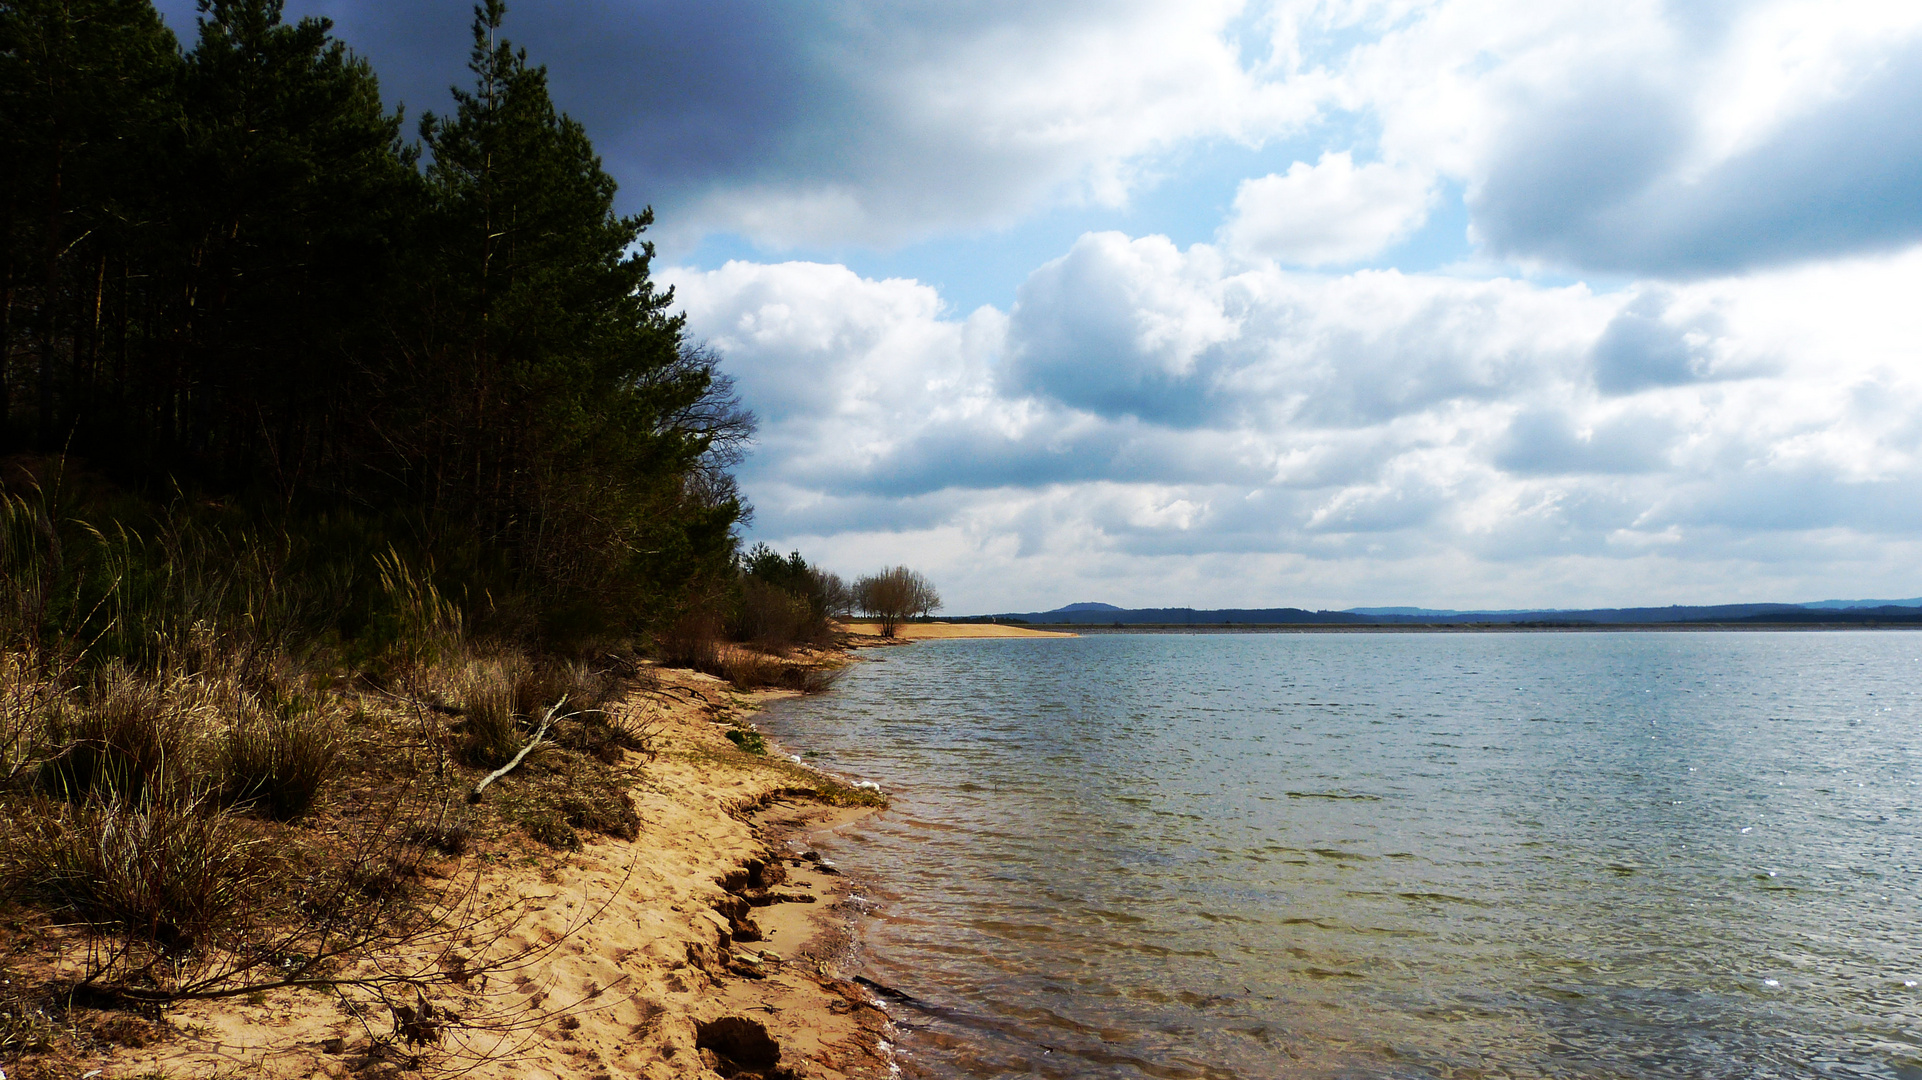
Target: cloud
point(1608, 177)
point(1329, 212)
point(866, 122)
point(1135, 327)
point(1641, 348)
point(1150, 422)
point(1546, 442)
point(1681, 141)
point(1186, 428)
point(1124, 327)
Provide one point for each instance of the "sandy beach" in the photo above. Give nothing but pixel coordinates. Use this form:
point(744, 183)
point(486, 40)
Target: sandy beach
point(928, 631)
point(710, 945)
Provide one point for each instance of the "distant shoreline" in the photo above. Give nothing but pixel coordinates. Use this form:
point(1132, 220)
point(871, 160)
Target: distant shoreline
point(929, 631)
point(1443, 628)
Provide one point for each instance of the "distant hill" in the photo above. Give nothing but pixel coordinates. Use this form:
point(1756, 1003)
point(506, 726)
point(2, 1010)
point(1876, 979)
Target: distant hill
point(1108, 615)
point(1831, 611)
point(1864, 604)
point(1886, 613)
point(1642, 614)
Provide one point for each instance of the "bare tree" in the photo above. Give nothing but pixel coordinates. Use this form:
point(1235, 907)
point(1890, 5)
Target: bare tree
point(895, 595)
point(836, 597)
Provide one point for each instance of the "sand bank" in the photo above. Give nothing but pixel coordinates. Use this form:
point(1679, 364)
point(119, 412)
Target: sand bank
point(711, 945)
point(935, 630)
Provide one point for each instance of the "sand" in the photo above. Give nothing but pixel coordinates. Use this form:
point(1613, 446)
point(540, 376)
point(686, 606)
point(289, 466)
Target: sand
point(940, 630)
point(709, 928)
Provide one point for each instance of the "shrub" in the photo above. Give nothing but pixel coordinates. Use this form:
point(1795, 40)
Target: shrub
point(537, 688)
point(896, 595)
point(691, 641)
point(748, 669)
point(772, 617)
point(814, 680)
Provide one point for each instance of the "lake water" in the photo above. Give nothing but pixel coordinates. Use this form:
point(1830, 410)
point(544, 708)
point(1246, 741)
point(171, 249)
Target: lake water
point(1391, 855)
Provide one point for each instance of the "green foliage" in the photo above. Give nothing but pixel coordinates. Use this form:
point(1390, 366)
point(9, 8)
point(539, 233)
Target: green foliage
point(783, 601)
point(749, 741)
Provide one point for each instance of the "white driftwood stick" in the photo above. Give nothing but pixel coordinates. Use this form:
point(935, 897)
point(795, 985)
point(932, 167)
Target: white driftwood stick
point(474, 796)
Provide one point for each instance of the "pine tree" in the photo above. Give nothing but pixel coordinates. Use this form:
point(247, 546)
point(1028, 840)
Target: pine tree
point(225, 274)
point(566, 386)
point(291, 196)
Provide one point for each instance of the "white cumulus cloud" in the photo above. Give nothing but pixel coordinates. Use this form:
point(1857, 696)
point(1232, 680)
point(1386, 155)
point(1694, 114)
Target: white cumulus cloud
point(1329, 212)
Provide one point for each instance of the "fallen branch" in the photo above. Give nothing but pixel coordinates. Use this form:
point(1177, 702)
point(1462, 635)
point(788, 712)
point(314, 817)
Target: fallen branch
point(474, 796)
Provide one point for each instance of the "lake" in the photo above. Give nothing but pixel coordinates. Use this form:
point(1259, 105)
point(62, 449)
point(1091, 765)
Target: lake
point(1661, 854)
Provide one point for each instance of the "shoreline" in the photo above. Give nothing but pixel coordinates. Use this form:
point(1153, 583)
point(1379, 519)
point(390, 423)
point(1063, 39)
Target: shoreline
point(1054, 629)
point(870, 633)
point(716, 942)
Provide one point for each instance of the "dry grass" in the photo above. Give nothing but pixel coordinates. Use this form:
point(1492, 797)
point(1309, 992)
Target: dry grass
point(154, 807)
point(201, 814)
point(275, 761)
point(126, 734)
point(171, 871)
point(490, 721)
point(194, 804)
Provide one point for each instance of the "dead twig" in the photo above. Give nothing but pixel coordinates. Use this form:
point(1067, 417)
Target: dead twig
point(474, 796)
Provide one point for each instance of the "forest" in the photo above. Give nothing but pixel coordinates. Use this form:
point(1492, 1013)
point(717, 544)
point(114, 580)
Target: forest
point(242, 295)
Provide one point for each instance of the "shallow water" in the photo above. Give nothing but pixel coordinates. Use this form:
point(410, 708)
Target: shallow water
point(1391, 855)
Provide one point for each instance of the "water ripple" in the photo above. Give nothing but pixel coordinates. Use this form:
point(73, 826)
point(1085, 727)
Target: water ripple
point(1392, 856)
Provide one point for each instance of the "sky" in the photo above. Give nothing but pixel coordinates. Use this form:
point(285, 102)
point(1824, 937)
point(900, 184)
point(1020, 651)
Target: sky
point(1317, 303)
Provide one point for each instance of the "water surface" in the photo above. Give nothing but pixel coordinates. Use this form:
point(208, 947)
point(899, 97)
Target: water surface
point(1391, 855)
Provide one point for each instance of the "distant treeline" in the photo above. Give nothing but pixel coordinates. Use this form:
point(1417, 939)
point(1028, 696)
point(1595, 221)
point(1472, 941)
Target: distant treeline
point(1788, 614)
point(232, 278)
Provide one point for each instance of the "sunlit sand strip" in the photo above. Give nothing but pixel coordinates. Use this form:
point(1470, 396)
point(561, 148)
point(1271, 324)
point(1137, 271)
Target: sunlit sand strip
point(922, 631)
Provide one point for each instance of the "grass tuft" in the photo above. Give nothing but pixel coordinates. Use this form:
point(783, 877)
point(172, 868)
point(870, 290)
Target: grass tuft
point(749, 741)
point(166, 870)
point(275, 762)
point(550, 827)
point(129, 736)
point(490, 721)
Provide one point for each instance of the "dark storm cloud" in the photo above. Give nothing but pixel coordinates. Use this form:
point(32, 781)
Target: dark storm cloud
point(854, 122)
point(675, 94)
